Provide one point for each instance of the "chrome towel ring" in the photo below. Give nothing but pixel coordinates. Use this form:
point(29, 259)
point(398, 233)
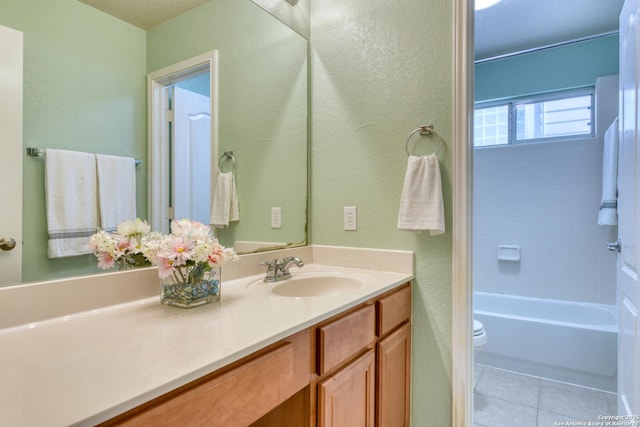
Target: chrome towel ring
point(424, 130)
point(227, 155)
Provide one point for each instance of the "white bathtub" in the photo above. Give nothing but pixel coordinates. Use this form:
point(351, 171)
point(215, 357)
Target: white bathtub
point(564, 341)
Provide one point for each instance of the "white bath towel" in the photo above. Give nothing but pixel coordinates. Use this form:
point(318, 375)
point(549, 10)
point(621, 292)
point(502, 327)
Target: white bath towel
point(421, 204)
point(71, 199)
point(116, 190)
point(224, 204)
point(608, 214)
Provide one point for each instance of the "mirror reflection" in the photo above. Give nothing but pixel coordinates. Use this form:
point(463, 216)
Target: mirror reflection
point(85, 89)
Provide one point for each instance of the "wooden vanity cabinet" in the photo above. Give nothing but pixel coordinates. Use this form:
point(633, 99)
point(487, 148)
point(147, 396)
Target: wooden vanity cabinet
point(364, 364)
point(353, 369)
point(346, 397)
point(393, 385)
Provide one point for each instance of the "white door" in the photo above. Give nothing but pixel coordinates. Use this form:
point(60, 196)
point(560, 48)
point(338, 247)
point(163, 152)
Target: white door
point(191, 187)
point(11, 159)
point(628, 213)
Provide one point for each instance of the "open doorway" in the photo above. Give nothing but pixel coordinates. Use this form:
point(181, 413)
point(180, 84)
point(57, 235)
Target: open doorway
point(466, 39)
point(182, 140)
point(539, 251)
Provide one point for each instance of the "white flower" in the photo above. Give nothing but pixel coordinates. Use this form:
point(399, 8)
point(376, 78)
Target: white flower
point(122, 247)
point(192, 230)
point(133, 227)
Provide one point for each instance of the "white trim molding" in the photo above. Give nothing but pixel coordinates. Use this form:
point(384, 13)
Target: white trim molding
point(462, 317)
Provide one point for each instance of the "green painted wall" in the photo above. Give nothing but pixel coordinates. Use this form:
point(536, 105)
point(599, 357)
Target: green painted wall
point(563, 67)
point(262, 108)
point(85, 90)
point(378, 72)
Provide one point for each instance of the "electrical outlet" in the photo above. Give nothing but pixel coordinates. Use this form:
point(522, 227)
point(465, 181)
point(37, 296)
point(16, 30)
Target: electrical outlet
point(350, 218)
point(276, 217)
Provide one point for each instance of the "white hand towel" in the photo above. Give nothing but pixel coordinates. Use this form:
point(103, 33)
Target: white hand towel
point(609, 203)
point(116, 190)
point(224, 206)
point(71, 199)
point(421, 205)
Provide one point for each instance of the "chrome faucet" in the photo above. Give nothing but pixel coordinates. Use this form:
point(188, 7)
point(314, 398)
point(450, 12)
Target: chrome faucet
point(279, 270)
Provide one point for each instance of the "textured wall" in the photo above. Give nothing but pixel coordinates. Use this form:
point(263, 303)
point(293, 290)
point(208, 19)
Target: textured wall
point(379, 70)
point(85, 90)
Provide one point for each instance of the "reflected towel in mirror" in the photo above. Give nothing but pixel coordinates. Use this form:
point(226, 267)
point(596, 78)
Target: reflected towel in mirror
point(116, 190)
point(71, 201)
point(224, 206)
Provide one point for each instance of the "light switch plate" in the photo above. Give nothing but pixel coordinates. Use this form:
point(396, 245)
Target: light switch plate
point(276, 217)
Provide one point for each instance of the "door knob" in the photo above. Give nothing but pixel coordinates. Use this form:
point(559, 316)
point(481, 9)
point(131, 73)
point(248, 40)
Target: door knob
point(7, 243)
point(614, 246)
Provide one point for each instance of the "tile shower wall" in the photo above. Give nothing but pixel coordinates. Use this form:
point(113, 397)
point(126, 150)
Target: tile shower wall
point(544, 197)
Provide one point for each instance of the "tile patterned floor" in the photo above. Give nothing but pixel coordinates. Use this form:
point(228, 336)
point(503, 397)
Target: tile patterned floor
point(508, 399)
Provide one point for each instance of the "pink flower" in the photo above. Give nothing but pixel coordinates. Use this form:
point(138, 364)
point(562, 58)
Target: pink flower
point(105, 260)
point(178, 250)
point(216, 256)
point(125, 244)
point(165, 267)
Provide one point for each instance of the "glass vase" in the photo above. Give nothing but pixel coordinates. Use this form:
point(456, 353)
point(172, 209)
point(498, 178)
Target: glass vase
point(187, 295)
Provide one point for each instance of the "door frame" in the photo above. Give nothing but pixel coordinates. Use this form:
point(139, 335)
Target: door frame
point(462, 286)
point(11, 135)
point(159, 152)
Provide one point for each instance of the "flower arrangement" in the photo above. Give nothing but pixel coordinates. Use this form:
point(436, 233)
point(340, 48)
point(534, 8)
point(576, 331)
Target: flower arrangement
point(187, 253)
point(122, 247)
point(184, 256)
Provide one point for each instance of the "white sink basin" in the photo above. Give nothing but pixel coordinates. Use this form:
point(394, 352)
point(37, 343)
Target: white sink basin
point(315, 285)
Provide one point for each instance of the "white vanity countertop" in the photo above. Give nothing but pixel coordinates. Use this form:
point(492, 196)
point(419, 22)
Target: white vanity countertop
point(88, 367)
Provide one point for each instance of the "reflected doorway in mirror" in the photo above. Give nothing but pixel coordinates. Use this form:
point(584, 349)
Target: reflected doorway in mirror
point(180, 178)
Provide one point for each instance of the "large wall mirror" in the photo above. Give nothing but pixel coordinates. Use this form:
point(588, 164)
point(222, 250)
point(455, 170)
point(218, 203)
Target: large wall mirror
point(85, 89)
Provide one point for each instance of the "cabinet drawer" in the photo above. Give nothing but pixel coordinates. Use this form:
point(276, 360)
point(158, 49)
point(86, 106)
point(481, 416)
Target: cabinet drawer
point(344, 337)
point(234, 399)
point(393, 310)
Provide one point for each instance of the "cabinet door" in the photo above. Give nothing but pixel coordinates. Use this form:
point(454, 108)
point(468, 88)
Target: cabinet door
point(347, 398)
point(394, 377)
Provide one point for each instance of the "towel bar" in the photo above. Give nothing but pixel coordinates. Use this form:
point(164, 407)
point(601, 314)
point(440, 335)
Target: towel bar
point(37, 152)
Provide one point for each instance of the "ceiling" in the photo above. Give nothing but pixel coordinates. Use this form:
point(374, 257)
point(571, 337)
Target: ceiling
point(145, 14)
point(518, 25)
point(508, 27)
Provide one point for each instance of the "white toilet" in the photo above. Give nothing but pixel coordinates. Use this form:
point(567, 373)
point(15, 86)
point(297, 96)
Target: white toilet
point(479, 335)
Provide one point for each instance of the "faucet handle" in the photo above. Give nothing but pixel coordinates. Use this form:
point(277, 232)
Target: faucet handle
point(270, 263)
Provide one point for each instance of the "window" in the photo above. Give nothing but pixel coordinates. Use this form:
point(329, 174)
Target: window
point(491, 126)
point(558, 115)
